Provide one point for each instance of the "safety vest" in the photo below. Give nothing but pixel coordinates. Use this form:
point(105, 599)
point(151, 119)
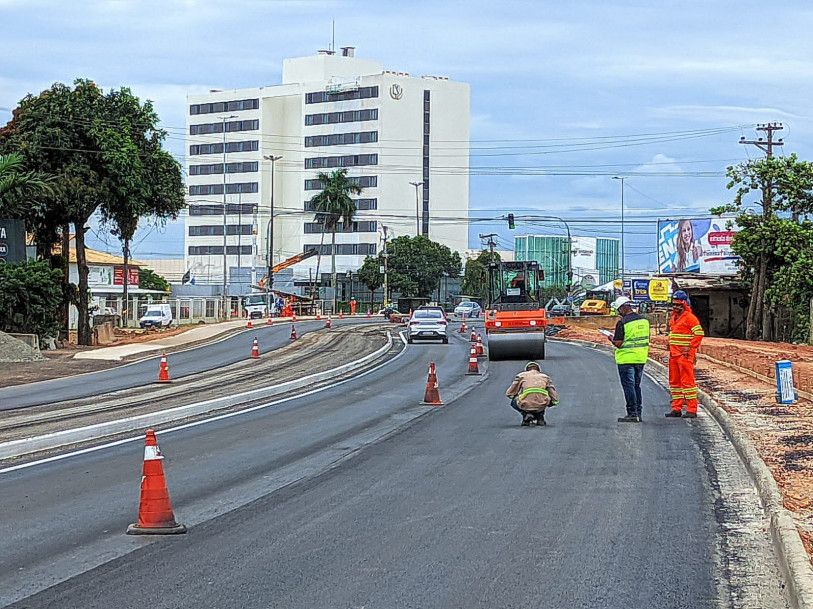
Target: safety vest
point(635, 348)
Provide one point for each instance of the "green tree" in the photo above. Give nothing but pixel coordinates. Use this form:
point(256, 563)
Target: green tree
point(150, 280)
point(782, 185)
point(475, 278)
point(416, 264)
point(335, 209)
point(30, 294)
point(93, 145)
point(370, 273)
point(18, 187)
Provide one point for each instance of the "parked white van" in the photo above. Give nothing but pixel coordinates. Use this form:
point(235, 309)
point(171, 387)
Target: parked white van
point(157, 315)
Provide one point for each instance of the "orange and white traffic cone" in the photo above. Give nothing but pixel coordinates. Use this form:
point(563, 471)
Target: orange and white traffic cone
point(369, 313)
point(473, 337)
point(249, 325)
point(318, 316)
point(155, 516)
point(293, 332)
point(481, 352)
point(293, 318)
point(341, 314)
point(163, 370)
point(270, 321)
point(473, 368)
point(463, 325)
point(255, 349)
point(327, 323)
point(432, 396)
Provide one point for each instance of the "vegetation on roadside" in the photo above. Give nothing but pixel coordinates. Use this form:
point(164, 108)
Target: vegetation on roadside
point(150, 280)
point(775, 241)
point(30, 294)
point(475, 278)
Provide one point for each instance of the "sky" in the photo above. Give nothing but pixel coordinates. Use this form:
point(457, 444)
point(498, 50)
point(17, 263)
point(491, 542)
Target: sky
point(564, 95)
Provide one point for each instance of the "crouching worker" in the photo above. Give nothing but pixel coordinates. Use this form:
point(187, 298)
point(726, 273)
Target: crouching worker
point(532, 392)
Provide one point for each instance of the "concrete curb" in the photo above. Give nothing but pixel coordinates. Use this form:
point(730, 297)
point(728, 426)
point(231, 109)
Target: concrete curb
point(26, 446)
point(794, 561)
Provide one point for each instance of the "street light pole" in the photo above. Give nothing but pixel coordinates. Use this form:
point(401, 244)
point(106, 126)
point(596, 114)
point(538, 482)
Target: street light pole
point(417, 185)
point(622, 230)
point(270, 280)
point(385, 255)
point(223, 120)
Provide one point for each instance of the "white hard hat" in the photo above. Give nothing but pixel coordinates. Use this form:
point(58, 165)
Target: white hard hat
point(619, 302)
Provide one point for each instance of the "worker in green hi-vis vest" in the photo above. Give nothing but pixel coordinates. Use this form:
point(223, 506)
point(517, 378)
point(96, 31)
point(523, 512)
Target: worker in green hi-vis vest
point(632, 341)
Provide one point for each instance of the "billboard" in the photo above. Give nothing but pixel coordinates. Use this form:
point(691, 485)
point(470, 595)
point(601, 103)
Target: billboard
point(644, 290)
point(697, 245)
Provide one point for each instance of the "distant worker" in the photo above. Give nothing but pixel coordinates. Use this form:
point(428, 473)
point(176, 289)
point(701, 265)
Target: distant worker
point(352, 306)
point(632, 341)
point(531, 393)
point(685, 335)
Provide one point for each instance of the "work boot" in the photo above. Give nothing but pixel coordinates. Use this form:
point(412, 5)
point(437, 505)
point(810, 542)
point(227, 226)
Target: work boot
point(526, 419)
point(629, 419)
point(689, 415)
point(674, 414)
point(540, 419)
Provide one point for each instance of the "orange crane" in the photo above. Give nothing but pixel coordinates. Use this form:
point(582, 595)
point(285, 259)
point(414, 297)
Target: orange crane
point(289, 262)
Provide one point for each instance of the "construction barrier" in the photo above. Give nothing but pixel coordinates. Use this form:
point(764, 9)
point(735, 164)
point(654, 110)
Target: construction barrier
point(155, 515)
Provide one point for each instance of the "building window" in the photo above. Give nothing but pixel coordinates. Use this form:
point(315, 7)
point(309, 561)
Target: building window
point(209, 128)
point(249, 146)
point(348, 160)
point(217, 168)
point(217, 189)
point(362, 226)
point(216, 230)
point(345, 249)
point(349, 116)
point(362, 181)
point(217, 250)
point(361, 204)
point(229, 106)
point(338, 139)
point(319, 97)
point(217, 210)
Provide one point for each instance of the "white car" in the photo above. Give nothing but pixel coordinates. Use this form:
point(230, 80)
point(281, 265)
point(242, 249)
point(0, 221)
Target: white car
point(427, 324)
point(469, 308)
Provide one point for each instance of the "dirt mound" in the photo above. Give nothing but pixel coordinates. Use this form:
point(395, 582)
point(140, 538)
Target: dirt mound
point(13, 350)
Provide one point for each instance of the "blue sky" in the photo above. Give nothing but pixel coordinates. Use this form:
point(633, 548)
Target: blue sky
point(565, 95)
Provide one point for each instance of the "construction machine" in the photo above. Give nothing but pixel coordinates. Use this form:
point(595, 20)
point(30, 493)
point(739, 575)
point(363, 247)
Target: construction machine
point(515, 321)
point(597, 302)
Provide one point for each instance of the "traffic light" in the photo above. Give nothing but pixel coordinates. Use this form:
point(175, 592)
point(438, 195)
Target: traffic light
point(569, 278)
point(511, 224)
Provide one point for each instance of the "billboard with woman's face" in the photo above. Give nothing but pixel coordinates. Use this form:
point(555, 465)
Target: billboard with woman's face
point(697, 245)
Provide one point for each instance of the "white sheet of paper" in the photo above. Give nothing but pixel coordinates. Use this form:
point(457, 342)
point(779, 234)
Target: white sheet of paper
point(606, 332)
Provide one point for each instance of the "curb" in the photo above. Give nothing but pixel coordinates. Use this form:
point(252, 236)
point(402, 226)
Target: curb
point(794, 561)
point(26, 446)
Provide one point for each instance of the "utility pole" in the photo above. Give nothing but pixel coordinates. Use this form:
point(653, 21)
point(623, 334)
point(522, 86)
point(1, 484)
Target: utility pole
point(491, 244)
point(767, 145)
point(385, 255)
point(226, 308)
point(269, 282)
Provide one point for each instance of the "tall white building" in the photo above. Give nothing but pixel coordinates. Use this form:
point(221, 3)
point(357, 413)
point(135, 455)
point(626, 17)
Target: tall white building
point(390, 130)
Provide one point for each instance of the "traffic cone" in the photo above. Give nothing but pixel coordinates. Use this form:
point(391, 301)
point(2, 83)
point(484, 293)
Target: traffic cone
point(473, 369)
point(270, 321)
point(463, 325)
point(327, 323)
point(293, 318)
point(155, 516)
point(473, 337)
point(341, 314)
point(163, 370)
point(431, 396)
point(255, 349)
point(249, 325)
point(318, 316)
point(481, 352)
point(369, 313)
point(293, 332)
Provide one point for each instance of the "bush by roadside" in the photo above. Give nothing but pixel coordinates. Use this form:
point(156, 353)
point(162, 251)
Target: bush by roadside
point(30, 295)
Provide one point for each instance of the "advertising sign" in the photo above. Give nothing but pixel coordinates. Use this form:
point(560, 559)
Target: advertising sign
point(699, 245)
point(132, 276)
point(659, 290)
point(640, 289)
point(12, 241)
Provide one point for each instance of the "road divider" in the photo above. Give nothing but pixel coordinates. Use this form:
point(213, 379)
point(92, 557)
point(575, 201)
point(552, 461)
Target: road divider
point(67, 437)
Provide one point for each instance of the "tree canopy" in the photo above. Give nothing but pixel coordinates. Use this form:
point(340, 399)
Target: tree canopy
point(475, 279)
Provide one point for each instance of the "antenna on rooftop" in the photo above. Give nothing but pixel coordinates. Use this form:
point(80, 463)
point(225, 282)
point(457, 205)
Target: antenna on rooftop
point(333, 41)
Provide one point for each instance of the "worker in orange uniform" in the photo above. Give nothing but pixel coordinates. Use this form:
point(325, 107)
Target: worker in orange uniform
point(352, 306)
point(685, 334)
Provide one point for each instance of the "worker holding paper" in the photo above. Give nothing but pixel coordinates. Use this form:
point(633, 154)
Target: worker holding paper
point(632, 341)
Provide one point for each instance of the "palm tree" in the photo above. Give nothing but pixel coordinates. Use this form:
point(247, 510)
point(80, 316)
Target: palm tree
point(16, 185)
point(333, 205)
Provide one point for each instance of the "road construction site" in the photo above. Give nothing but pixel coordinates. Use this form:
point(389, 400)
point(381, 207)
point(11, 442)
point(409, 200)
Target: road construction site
point(350, 492)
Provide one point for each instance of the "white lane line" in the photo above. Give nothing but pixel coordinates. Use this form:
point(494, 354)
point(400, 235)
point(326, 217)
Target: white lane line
point(227, 415)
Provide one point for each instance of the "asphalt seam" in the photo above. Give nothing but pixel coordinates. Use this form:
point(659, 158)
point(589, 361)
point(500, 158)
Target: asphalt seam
point(794, 561)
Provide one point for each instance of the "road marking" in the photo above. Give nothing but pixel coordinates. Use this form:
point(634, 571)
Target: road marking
point(227, 415)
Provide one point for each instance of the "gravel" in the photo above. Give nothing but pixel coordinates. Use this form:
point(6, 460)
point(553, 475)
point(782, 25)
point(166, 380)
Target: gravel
point(13, 350)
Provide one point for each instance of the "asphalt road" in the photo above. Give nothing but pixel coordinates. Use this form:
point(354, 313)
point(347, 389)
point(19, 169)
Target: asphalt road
point(298, 506)
point(229, 350)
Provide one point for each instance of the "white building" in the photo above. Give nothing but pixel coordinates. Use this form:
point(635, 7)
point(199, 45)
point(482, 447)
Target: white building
point(331, 111)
